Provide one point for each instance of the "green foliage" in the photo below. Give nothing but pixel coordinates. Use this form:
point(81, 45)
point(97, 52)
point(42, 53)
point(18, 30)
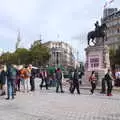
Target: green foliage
point(115, 56)
point(37, 55)
point(22, 56)
point(40, 54)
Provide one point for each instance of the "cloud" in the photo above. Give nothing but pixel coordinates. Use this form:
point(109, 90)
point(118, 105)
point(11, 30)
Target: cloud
point(68, 18)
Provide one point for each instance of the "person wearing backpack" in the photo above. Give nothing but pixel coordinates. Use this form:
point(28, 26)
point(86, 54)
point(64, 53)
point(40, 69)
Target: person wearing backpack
point(75, 82)
point(11, 77)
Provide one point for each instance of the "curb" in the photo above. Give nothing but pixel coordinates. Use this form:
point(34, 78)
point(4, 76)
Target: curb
point(98, 88)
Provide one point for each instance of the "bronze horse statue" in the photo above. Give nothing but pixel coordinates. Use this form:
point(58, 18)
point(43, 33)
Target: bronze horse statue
point(99, 32)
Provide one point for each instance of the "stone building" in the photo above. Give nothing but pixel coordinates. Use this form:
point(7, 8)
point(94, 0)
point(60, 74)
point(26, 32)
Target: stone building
point(112, 19)
point(61, 54)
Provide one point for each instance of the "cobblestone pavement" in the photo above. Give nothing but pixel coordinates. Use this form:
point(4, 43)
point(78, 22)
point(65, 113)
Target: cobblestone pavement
point(48, 105)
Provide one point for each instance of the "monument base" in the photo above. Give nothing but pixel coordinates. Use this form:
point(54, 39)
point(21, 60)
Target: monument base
point(97, 59)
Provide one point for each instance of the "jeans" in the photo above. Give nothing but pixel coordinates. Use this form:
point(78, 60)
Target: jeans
point(10, 88)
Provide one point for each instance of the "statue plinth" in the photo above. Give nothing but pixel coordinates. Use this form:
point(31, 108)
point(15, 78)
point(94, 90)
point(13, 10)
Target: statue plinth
point(97, 59)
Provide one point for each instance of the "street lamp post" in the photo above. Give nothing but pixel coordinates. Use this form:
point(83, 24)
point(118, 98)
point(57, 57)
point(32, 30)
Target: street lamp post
point(57, 60)
point(53, 52)
point(56, 52)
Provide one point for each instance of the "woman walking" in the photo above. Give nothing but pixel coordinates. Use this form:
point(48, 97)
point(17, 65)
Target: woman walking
point(92, 80)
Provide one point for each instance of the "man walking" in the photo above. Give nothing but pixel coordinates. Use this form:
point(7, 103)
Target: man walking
point(103, 87)
point(58, 75)
point(11, 77)
point(32, 77)
point(44, 76)
point(75, 82)
point(109, 79)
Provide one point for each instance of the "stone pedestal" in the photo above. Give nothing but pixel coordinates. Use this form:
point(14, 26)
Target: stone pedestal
point(97, 59)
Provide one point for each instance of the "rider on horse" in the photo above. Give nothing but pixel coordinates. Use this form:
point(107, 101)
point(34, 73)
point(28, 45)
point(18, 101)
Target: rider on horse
point(99, 32)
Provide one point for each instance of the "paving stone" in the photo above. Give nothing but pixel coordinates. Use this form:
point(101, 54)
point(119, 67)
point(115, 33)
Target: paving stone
point(48, 105)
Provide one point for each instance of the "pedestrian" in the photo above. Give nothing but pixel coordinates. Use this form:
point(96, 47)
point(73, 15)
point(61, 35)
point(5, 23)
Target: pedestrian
point(11, 77)
point(117, 76)
point(32, 77)
point(27, 75)
point(75, 82)
point(58, 75)
point(80, 77)
point(3, 80)
point(103, 87)
point(18, 80)
point(92, 80)
point(44, 76)
point(109, 79)
point(22, 76)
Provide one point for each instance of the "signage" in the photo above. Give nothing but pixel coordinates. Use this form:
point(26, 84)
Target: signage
point(93, 62)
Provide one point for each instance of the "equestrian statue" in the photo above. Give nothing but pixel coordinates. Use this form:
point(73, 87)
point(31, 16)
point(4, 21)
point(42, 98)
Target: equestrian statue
point(99, 32)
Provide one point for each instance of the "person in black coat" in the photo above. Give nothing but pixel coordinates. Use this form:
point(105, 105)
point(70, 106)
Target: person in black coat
point(103, 87)
point(3, 80)
point(75, 82)
point(109, 79)
point(32, 77)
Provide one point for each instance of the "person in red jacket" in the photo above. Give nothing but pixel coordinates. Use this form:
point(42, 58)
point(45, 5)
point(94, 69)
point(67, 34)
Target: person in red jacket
point(92, 80)
point(44, 76)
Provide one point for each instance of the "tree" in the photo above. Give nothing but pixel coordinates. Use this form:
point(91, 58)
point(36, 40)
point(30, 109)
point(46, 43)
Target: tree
point(115, 57)
point(6, 58)
point(112, 53)
point(40, 54)
point(37, 55)
point(22, 56)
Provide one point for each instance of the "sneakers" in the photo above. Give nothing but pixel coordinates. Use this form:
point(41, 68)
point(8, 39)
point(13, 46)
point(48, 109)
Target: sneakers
point(3, 94)
point(7, 98)
point(58, 91)
point(109, 94)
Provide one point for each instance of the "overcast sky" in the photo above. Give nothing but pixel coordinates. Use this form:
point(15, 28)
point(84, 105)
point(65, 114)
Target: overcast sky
point(63, 20)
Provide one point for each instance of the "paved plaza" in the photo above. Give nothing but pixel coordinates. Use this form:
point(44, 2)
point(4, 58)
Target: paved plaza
point(48, 105)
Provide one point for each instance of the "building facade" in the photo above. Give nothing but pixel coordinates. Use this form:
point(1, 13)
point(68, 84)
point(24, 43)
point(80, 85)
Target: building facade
point(112, 19)
point(61, 54)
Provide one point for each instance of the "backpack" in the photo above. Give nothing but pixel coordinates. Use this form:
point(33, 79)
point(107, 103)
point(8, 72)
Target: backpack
point(12, 73)
point(27, 73)
point(107, 77)
point(58, 75)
